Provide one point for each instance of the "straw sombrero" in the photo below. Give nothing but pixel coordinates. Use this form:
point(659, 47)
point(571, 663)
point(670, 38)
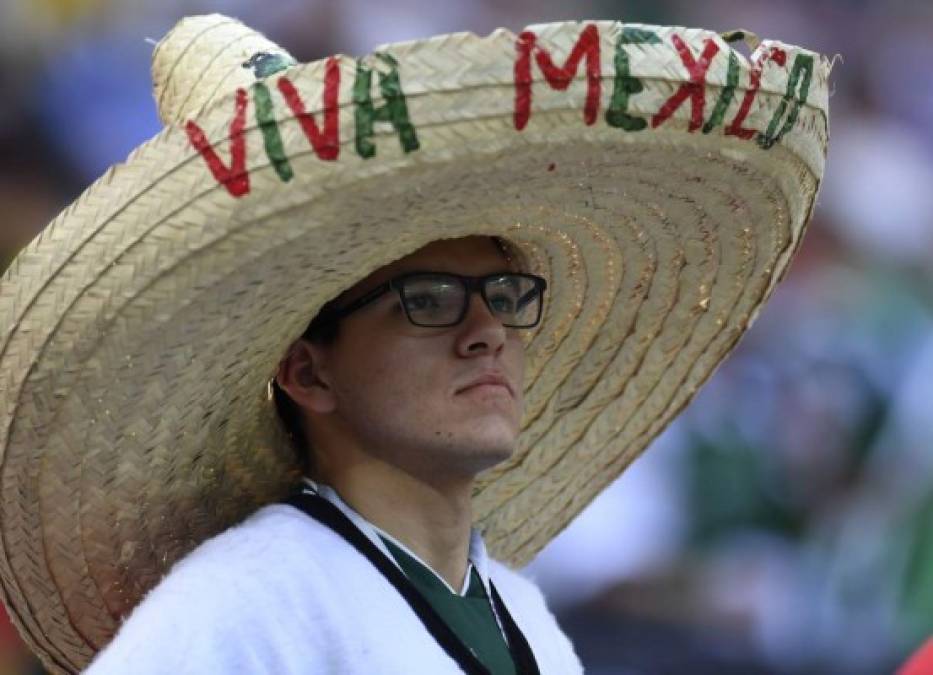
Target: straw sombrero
point(659, 178)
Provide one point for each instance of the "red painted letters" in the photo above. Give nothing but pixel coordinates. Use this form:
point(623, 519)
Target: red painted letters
point(559, 78)
point(326, 145)
point(234, 178)
point(695, 89)
point(736, 128)
point(323, 131)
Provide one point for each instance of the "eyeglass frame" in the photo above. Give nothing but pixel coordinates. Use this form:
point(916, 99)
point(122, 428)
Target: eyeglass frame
point(472, 285)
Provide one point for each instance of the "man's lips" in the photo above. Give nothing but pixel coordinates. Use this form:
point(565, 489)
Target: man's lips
point(488, 379)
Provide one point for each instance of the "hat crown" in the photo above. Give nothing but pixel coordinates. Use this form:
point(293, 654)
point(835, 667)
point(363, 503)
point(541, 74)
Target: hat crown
point(203, 57)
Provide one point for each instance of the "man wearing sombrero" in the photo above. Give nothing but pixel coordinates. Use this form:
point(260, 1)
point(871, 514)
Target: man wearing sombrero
point(522, 256)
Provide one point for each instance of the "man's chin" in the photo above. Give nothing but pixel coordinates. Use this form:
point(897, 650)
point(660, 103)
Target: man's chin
point(488, 453)
point(474, 453)
point(490, 462)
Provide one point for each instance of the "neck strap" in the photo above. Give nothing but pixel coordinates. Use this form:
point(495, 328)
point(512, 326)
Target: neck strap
point(326, 513)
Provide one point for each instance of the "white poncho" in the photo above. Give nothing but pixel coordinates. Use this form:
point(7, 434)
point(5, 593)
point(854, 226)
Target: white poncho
point(282, 594)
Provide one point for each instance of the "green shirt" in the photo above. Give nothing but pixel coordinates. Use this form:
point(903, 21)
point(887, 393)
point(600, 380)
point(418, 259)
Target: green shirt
point(469, 616)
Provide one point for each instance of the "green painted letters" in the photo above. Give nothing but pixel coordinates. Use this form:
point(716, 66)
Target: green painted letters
point(393, 111)
point(625, 85)
point(725, 98)
point(265, 115)
point(803, 65)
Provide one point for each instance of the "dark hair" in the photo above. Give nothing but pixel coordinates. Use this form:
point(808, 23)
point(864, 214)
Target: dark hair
point(321, 331)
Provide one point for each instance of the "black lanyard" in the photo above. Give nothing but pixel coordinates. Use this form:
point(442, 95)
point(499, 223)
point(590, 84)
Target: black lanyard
point(324, 512)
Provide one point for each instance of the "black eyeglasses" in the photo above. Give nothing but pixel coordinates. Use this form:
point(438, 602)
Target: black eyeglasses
point(439, 299)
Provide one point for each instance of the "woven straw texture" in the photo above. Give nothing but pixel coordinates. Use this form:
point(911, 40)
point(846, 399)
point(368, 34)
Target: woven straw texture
point(139, 331)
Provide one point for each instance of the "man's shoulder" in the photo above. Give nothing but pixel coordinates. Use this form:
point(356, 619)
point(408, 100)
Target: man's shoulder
point(528, 607)
point(519, 592)
point(269, 544)
point(275, 536)
point(512, 582)
point(277, 548)
point(223, 603)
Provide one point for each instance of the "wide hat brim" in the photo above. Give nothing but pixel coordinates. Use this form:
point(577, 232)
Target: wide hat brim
point(141, 329)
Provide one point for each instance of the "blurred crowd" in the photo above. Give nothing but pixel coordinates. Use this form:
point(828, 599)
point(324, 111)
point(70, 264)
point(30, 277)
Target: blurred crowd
point(784, 524)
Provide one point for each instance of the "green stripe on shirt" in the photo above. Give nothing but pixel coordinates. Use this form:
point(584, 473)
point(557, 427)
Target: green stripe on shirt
point(469, 616)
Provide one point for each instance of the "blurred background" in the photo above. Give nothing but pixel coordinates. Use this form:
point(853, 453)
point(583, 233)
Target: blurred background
point(784, 523)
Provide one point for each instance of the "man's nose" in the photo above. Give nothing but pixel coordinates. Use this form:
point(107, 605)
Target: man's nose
point(481, 331)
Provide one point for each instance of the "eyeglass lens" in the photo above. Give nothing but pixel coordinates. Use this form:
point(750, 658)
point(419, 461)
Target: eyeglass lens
point(440, 300)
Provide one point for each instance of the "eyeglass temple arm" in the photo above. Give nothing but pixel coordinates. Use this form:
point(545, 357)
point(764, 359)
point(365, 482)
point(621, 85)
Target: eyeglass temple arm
point(538, 290)
point(361, 301)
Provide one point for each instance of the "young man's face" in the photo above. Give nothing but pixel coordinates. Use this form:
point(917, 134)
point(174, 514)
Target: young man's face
point(413, 395)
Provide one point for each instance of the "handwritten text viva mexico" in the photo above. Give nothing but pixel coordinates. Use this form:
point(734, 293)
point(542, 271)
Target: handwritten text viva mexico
point(325, 142)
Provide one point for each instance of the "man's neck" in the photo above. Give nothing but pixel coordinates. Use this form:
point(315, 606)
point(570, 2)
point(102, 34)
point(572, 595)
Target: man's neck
point(432, 519)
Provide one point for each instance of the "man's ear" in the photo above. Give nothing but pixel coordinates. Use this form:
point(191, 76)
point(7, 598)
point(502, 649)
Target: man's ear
point(303, 376)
